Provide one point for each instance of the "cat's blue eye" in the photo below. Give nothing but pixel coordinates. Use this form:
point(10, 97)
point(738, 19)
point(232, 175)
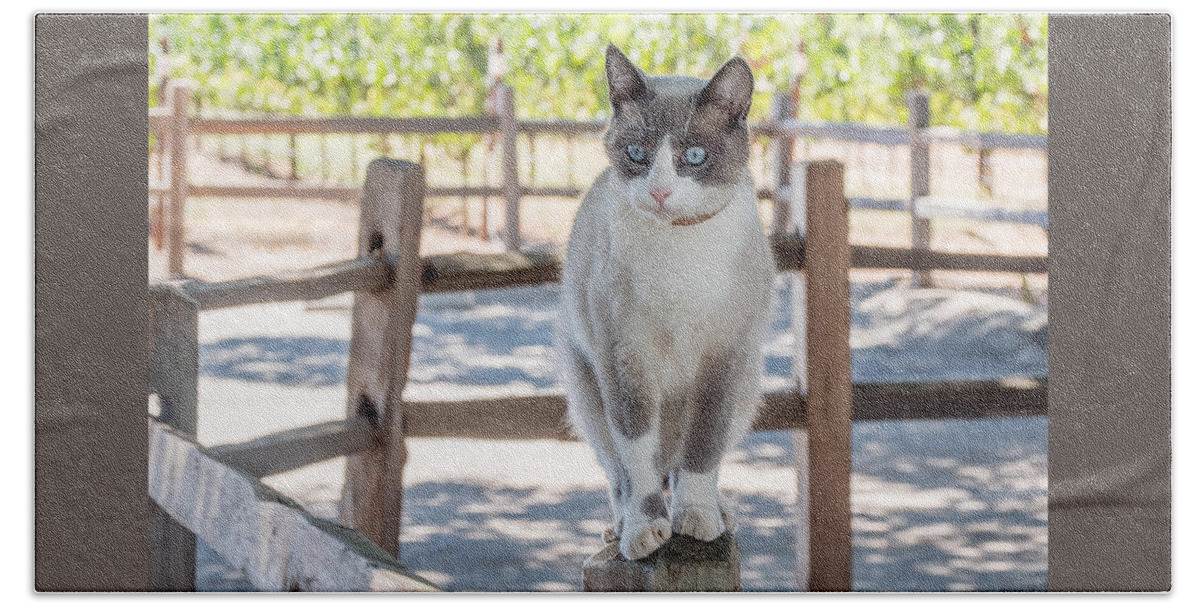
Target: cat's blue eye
point(636, 153)
point(695, 155)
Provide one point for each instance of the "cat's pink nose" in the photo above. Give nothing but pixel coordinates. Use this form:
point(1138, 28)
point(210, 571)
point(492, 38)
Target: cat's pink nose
point(660, 194)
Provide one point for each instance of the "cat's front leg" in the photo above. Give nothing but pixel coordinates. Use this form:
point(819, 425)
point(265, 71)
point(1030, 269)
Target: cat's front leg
point(645, 522)
point(725, 380)
point(633, 416)
point(697, 505)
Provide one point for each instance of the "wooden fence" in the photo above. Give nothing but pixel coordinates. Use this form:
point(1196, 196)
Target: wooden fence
point(214, 493)
point(173, 127)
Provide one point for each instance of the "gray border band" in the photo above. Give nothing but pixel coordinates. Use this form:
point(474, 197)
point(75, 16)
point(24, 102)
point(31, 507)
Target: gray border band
point(1109, 394)
point(90, 302)
point(1109, 391)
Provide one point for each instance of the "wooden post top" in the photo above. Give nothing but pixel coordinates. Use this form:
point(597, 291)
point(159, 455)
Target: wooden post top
point(683, 564)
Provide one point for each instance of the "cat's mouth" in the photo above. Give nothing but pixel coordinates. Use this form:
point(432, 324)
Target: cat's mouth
point(655, 214)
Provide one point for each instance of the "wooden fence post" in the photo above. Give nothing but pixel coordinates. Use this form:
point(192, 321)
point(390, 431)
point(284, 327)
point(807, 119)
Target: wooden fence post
point(918, 122)
point(827, 266)
point(783, 109)
point(380, 345)
point(986, 171)
point(181, 95)
point(799, 292)
point(682, 564)
point(174, 363)
point(293, 173)
point(511, 177)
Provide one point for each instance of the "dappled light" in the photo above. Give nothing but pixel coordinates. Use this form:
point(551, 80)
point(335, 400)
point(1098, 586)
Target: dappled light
point(288, 361)
point(501, 339)
point(950, 505)
point(936, 506)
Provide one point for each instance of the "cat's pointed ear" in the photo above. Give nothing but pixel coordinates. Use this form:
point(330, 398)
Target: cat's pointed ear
point(625, 80)
point(730, 89)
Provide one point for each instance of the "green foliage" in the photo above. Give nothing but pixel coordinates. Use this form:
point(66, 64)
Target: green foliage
point(985, 72)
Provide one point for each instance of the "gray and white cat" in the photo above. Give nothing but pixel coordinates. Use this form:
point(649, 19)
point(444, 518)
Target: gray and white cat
point(666, 289)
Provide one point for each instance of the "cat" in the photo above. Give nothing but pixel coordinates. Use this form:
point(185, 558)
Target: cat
point(667, 284)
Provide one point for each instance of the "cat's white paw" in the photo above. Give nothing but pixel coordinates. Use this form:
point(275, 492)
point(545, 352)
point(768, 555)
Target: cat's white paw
point(637, 543)
point(702, 523)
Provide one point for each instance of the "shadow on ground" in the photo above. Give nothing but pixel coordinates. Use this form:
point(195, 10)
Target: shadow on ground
point(301, 361)
point(502, 339)
point(938, 505)
point(950, 505)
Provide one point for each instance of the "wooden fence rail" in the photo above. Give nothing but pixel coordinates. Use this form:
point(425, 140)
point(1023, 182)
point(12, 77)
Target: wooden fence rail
point(365, 273)
point(544, 417)
point(470, 271)
point(273, 540)
point(160, 120)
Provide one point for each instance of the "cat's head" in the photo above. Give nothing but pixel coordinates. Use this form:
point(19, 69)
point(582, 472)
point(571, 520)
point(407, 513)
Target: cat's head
point(678, 145)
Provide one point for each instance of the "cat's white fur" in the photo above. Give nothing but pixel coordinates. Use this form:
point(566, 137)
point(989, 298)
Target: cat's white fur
point(637, 288)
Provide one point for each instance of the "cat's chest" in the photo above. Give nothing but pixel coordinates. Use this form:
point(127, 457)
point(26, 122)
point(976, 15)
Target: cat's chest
point(680, 277)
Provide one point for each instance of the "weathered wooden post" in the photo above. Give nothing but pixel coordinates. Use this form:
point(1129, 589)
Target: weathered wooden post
point(380, 345)
point(497, 68)
point(177, 231)
point(918, 123)
point(799, 293)
point(783, 109)
point(354, 168)
point(293, 174)
point(174, 363)
point(324, 158)
point(682, 564)
point(986, 171)
point(511, 177)
point(827, 267)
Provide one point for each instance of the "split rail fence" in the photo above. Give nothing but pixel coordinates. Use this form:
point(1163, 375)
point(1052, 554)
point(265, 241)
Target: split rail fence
point(215, 493)
point(174, 129)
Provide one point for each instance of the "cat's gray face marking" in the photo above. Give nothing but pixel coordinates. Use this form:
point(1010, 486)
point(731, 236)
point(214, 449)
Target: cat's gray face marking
point(665, 117)
point(710, 420)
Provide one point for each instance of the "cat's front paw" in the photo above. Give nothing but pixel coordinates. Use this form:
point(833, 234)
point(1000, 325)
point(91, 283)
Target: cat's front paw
point(700, 522)
point(639, 541)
